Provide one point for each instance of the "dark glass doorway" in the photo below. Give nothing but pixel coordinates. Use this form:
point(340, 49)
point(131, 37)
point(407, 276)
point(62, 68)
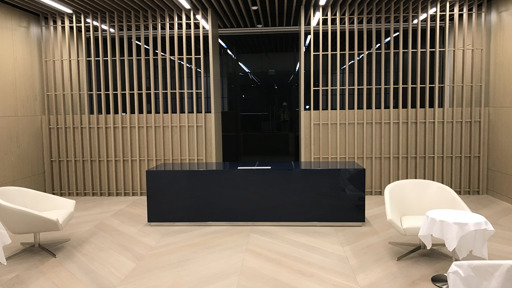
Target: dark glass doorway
point(260, 116)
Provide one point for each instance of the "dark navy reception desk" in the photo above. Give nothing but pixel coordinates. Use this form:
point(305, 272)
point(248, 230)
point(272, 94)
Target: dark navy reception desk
point(280, 192)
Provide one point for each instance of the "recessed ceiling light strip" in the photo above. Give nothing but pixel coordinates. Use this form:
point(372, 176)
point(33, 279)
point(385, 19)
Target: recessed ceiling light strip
point(57, 5)
point(185, 4)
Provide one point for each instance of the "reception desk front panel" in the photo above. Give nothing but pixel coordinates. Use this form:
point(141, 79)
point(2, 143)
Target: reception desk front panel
point(256, 192)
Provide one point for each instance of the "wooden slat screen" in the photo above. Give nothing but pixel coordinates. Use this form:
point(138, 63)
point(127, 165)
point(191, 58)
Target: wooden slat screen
point(125, 91)
point(398, 87)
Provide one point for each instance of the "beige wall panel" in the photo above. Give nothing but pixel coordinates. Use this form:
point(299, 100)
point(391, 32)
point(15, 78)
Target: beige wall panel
point(499, 185)
point(21, 144)
point(29, 157)
point(9, 151)
point(36, 181)
point(500, 140)
point(8, 79)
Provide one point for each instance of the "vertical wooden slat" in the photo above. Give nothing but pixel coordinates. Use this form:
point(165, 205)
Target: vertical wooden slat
point(320, 86)
point(356, 86)
point(112, 149)
point(178, 88)
point(365, 83)
point(373, 84)
point(463, 97)
point(62, 121)
point(130, 186)
point(347, 42)
point(153, 124)
point(329, 83)
point(338, 83)
point(186, 155)
point(144, 113)
point(473, 95)
point(302, 96)
point(70, 93)
point(427, 90)
point(436, 92)
point(391, 91)
point(169, 86)
point(160, 147)
point(120, 115)
point(418, 93)
point(382, 93)
point(45, 38)
point(77, 101)
point(104, 146)
point(409, 94)
point(194, 88)
point(483, 140)
point(400, 88)
point(138, 128)
point(454, 89)
point(57, 187)
point(446, 89)
point(89, 188)
point(312, 89)
point(203, 89)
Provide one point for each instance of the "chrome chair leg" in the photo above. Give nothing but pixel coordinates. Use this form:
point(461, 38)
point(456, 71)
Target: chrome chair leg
point(37, 244)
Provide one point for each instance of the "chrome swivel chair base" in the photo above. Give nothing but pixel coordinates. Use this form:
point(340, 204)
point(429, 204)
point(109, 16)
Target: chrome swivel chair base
point(416, 248)
point(37, 244)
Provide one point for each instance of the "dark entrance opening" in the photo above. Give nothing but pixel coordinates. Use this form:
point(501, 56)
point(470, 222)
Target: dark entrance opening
point(260, 97)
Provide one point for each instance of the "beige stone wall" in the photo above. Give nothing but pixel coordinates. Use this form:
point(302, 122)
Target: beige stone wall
point(21, 100)
point(500, 101)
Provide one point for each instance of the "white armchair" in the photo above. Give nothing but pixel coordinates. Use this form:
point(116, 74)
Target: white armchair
point(27, 211)
point(407, 202)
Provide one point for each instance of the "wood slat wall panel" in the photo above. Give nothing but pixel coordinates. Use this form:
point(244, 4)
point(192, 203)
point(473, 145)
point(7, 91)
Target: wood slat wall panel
point(395, 61)
point(123, 98)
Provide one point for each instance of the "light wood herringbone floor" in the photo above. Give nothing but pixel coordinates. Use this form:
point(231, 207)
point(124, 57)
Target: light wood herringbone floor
point(113, 246)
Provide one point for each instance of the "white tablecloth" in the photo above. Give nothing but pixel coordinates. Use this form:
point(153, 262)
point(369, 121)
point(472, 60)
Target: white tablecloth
point(463, 231)
point(4, 240)
point(480, 274)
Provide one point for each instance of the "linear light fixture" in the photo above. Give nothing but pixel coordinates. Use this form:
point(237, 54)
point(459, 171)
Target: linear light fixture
point(58, 6)
point(203, 22)
point(316, 18)
point(185, 4)
point(424, 15)
point(322, 2)
point(105, 27)
point(231, 53)
point(245, 68)
point(222, 43)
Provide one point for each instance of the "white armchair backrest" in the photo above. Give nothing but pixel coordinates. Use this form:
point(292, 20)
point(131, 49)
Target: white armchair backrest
point(34, 200)
point(24, 210)
point(414, 197)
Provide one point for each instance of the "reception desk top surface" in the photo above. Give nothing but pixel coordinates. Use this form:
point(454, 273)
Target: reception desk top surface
point(284, 165)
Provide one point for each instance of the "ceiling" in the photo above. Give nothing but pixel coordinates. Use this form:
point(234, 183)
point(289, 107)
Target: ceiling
point(233, 15)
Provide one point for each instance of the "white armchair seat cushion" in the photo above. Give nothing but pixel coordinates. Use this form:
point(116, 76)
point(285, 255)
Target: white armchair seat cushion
point(411, 224)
